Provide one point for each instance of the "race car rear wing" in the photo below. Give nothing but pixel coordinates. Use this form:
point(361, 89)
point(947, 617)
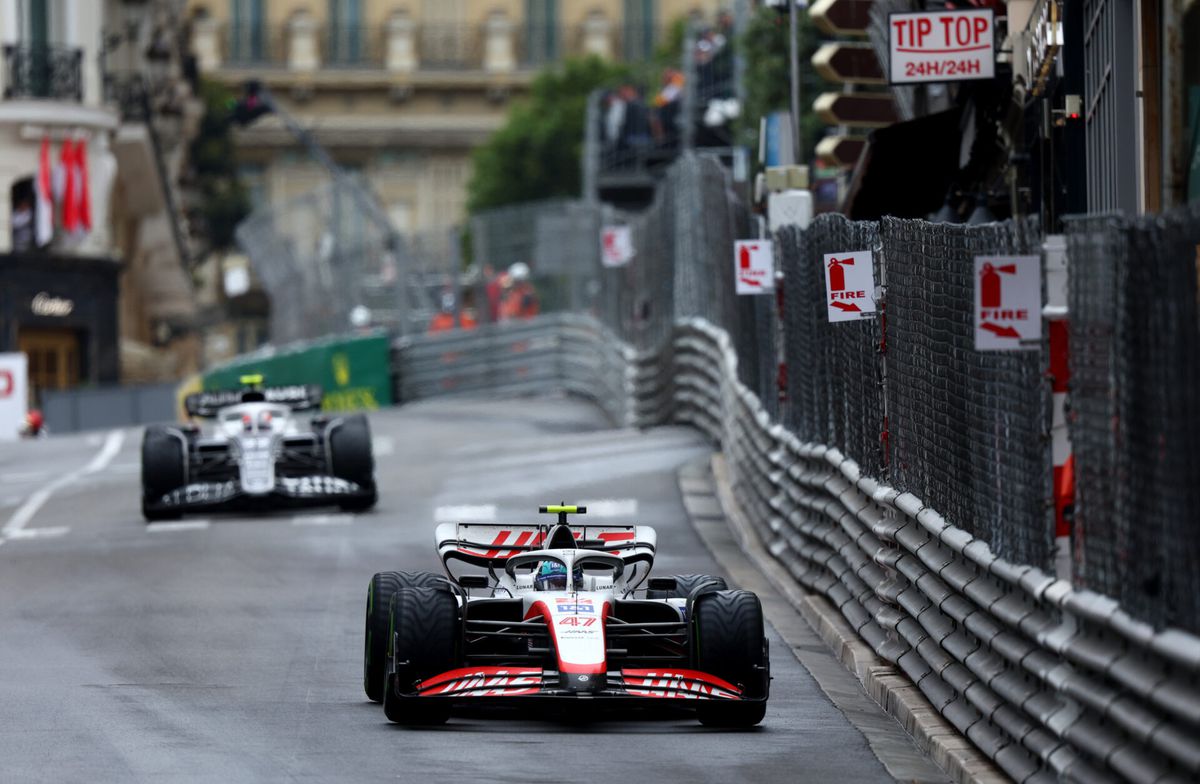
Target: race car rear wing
point(491, 545)
point(298, 397)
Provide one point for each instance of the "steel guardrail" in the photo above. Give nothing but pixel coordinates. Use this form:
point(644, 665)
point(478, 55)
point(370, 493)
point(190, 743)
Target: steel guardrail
point(1050, 682)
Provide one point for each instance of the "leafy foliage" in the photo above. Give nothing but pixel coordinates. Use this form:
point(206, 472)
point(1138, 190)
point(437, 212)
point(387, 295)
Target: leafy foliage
point(536, 154)
point(768, 75)
point(224, 201)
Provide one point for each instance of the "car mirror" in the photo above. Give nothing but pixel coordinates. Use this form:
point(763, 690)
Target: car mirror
point(662, 584)
point(473, 581)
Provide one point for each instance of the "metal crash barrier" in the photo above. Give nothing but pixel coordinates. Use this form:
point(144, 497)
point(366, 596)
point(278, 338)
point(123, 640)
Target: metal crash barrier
point(1050, 682)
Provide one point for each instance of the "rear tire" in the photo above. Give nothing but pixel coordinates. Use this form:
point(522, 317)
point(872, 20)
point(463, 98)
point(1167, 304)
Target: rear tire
point(728, 641)
point(424, 634)
point(350, 458)
point(382, 588)
point(164, 468)
point(685, 584)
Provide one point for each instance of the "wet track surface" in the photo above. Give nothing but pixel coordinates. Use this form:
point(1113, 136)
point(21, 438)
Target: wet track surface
point(229, 648)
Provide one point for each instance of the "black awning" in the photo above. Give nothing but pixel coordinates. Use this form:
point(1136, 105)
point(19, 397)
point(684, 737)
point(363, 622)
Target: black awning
point(906, 168)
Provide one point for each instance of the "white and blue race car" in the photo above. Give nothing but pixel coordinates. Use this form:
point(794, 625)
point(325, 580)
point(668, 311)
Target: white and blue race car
point(559, 619)
point(257, 456)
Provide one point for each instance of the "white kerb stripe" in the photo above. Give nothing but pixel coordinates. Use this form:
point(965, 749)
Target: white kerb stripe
point(177, 525)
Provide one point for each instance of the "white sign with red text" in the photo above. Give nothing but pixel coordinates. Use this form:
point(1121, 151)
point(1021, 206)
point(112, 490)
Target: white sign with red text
point(754, 266)
point(14, 391)
point(849, 285)
point(942, 46)
point(616, 245)
point(1008, 303)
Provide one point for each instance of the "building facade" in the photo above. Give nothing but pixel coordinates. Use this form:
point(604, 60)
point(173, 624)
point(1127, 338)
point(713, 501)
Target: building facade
point(400, 91)
point(59, 290)
point(84, 272)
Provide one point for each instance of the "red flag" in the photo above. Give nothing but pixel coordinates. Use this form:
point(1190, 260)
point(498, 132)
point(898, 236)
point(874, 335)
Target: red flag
point(85, 199)
point(70, 199)
point(44, 227)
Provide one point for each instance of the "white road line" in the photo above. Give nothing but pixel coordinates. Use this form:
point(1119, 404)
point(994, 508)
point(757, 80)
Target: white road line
point(610, 507)
point(177, 525)
point(383, 446)
point(25, 512)
point(49, 532)
point(322, 519)
point(465, 514)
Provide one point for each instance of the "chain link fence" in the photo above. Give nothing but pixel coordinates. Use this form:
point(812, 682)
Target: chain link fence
point(904, 395)
point(834, 370)
point(1135, 411)
point(968, 431)
point(321, 259)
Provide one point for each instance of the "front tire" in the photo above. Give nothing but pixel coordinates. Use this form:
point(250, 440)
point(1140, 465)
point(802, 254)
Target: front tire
point(424, 635)
point(350, 458)
point(382, 588)
point(728, 641)
point(164, 468)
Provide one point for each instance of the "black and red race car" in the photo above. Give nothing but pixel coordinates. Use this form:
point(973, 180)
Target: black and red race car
point(559, 618)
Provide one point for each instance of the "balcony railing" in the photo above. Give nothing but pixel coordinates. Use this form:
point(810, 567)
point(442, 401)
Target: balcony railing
point(43, 71)
point(402, 45)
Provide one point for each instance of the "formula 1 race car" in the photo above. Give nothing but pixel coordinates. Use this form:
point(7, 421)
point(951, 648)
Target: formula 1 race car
point(257, 457)
point(559, 620)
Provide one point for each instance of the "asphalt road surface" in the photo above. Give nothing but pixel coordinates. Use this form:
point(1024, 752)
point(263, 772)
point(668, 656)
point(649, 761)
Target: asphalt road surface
point(228, 649)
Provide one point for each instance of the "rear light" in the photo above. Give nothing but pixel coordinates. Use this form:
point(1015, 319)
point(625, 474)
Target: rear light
point(264, 419)
point(247, 423)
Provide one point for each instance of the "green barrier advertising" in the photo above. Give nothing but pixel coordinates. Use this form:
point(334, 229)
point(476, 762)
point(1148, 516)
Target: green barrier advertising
point(355, 372)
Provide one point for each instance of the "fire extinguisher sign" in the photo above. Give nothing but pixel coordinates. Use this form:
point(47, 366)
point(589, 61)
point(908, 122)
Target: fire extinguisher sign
point(1008, 303)
point(753, 266)
point(849, 285)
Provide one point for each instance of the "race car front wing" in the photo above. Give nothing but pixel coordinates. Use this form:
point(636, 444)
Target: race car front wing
point(288, 491)
point(521, 685)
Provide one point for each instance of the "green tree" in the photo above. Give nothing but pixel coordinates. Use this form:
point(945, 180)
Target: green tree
point(536, 154)
point(223, 201)
point(768, 76)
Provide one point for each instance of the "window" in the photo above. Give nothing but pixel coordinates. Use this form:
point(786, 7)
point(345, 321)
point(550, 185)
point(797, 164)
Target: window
point(254, 178)
point(445, 37)
point(23, 215)
point(36, 22)
point(344, 32)
point(541, 31)
point(247, 31)
point(638, 30)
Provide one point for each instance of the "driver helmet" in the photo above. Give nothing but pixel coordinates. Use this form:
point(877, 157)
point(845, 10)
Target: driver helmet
point(519, 272)
point(552, 576)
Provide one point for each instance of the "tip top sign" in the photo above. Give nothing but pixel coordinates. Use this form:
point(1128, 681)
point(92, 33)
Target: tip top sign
point(849, 285)
point(1008, 303)
point(754, 266)
point(941, 46)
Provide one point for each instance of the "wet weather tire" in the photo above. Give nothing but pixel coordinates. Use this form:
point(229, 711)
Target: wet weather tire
point(686, 583)
point(350, 458)
point(164, 468)
point(382, 588)
point(425, 635)
point(728, 641)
